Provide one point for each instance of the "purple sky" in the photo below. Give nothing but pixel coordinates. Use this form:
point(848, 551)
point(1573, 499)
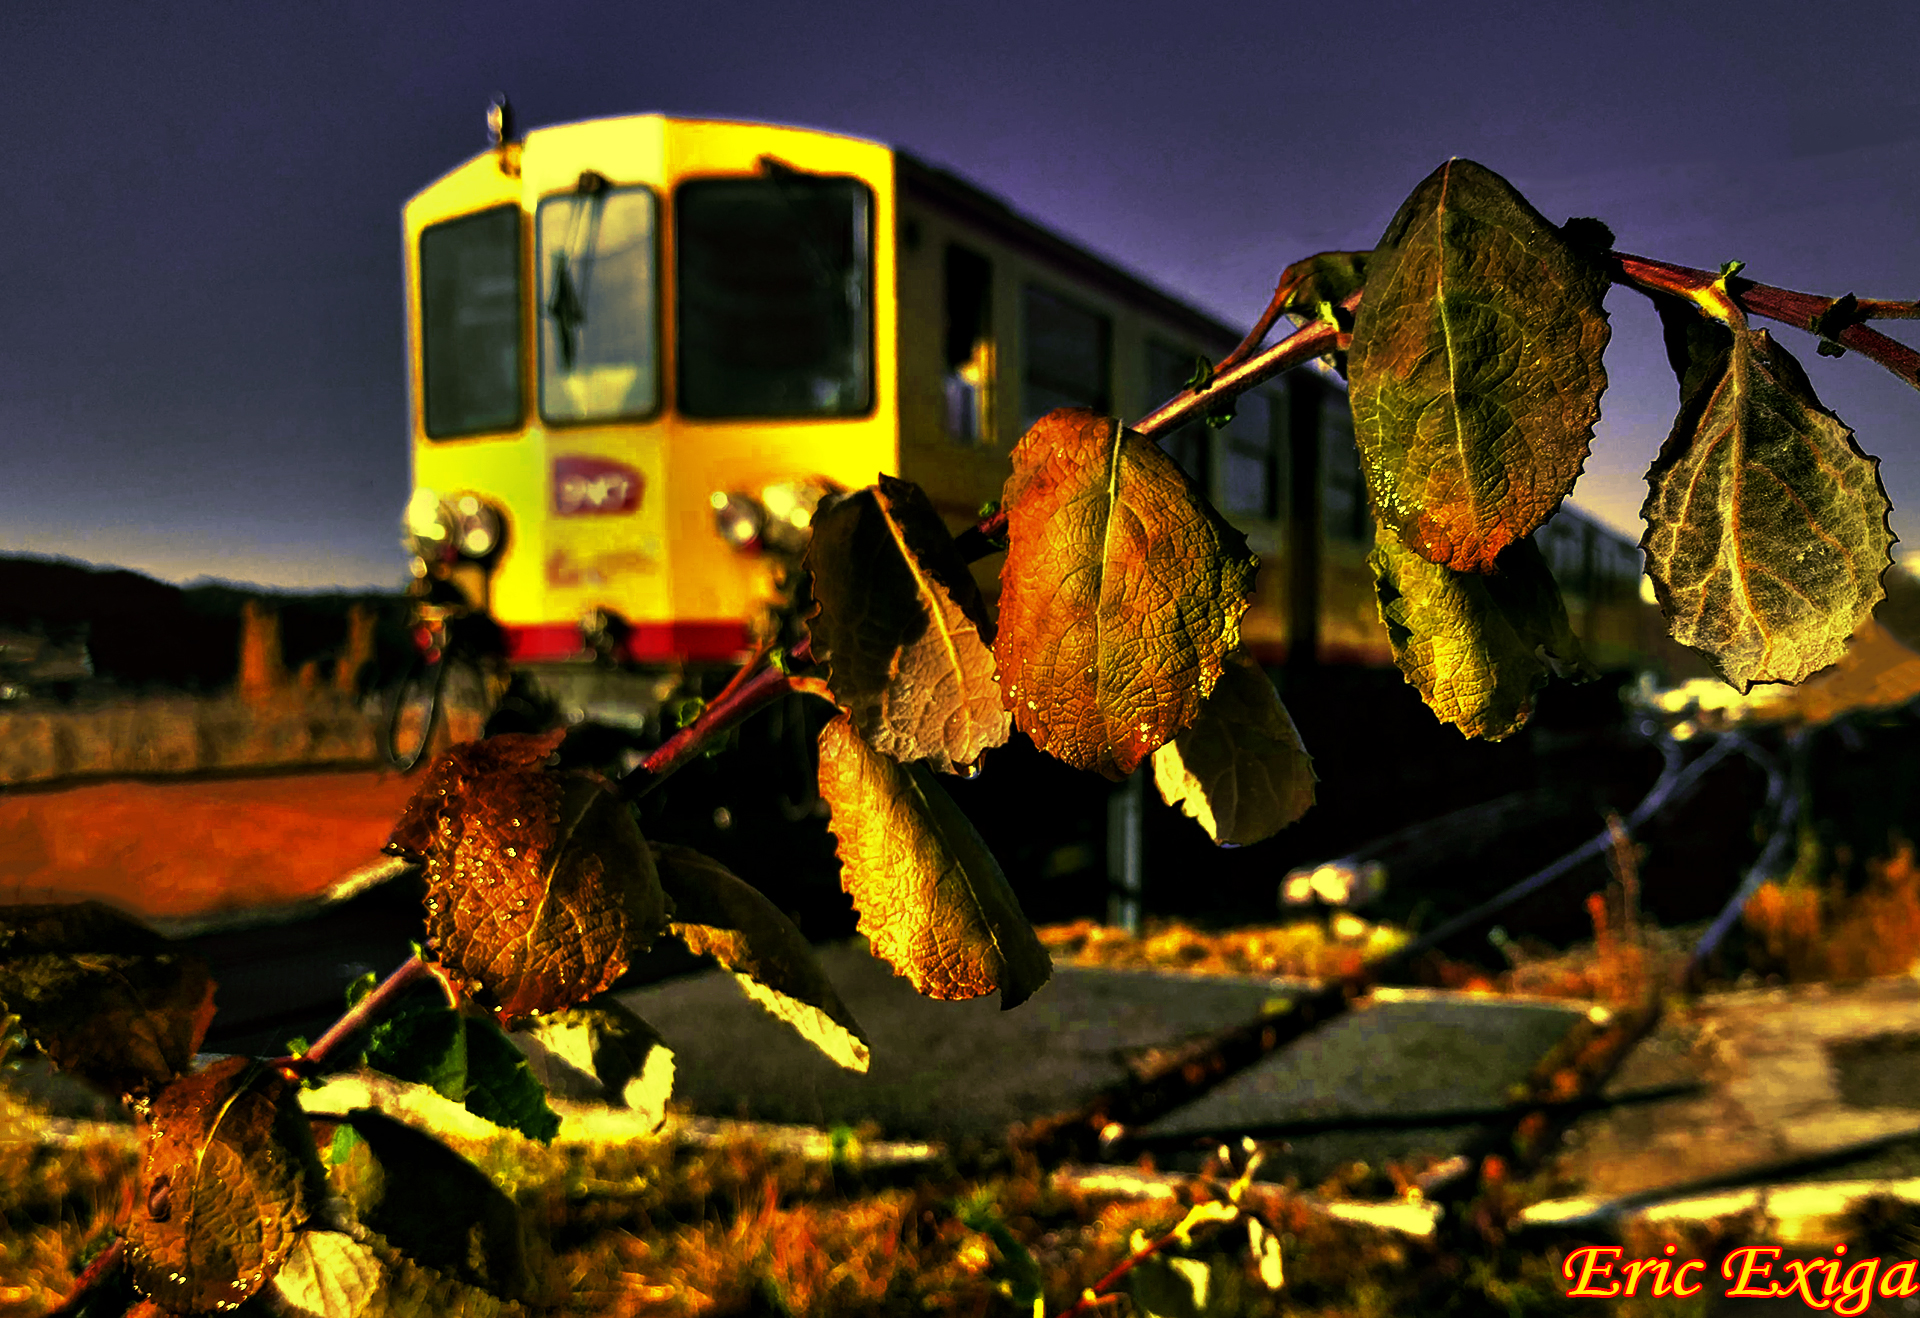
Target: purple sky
point(200, 337)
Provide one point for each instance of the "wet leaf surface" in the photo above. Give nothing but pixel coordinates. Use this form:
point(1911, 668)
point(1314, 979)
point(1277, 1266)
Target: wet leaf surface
point(540, 889)
point(903, 628)
point(1240, 770)
point(718, 914)
point(105, 997)
point(1767, 529)
point(932, 901)
point(1479, 646)
point(1476, 366)
point(223, 1189)
point(1120, 597)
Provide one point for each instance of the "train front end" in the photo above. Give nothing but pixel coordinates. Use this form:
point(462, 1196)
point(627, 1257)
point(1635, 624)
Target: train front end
point(641, 350)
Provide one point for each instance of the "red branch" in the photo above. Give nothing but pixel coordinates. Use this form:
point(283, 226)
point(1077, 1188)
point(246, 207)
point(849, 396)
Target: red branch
point(1800, 310)
point(97, 1274)
point(741, 698)
point(362, 1013)
point(1303, 345)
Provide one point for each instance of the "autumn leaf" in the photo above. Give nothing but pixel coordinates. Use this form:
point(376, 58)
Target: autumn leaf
point(932, 901)
point(1120, 597)
point(1240, 770)
point(223, 1189)
point(903, 628)
point(1767, 528)
point(328, 1274)
point(540, 889)
point(1479, 646)
point(717, 914)
point(605, 1049)
point(1476, 368)
point(103, 996)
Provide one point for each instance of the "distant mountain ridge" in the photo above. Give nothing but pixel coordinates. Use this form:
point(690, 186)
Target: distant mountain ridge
point(142, 633)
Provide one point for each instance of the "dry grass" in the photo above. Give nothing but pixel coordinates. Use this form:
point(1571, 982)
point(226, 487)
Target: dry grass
point(1305, 949)
point(1805, 931)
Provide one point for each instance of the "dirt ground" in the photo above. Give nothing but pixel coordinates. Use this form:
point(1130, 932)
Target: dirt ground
point(196, 847)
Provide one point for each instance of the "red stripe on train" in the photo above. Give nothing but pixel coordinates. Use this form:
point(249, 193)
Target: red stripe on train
point(648, 642)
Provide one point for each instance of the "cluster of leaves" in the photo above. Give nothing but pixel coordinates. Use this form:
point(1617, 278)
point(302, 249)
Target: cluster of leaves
point(1473, 334)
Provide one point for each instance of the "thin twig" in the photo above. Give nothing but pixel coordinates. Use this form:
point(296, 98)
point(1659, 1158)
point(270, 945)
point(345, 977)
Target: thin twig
point(1800, 310)
point(1298, 348)
point(96, 1275)
point(362, 1013)
point(741, 699)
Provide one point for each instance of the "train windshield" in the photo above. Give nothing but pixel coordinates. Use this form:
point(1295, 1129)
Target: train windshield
point(775, 277)
point(470, 323)
point(595, 257)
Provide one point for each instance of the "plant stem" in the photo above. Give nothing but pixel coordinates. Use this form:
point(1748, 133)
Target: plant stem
point(96, 1274)
point(1303, 345)
point(1800, 310)
point(740, 699)
point(362, 1013)
point(1126, 1265)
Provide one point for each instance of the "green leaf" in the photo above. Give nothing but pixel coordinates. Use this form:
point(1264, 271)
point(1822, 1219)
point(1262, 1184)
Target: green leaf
point(903, 629)
point(1120, 597)
point(605, 1049)
point(1479, 646)
point(424, 1046)
point(1169, 1286)
point(1240, 770)
point(1767, 530)
point(1476, 368)
point(503, 1088)
point(1015, 1271)
point(932, 901)
point(223, 1188)
point(103, 996)
point(717, 914)
point(1313, 287)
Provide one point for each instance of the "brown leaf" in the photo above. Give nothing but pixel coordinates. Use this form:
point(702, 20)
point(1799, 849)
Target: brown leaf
point(903, 628)
point(223, 1189)
point(103, 995)
point(1476, 365)
point(932, 901)
point(1240, 770)
point(1767, 528)
point(1120, 597)
point(540, 889)
point(719, 915)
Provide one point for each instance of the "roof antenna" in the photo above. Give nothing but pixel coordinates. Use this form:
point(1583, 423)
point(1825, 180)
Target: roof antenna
point(499, 120)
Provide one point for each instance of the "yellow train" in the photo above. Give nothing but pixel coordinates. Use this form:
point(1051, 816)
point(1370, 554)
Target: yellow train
point(642, 348)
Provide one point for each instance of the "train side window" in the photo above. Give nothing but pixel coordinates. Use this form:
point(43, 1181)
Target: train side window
point(774, 295)
point(1344, 509)
point(470, 323)
point(968, 277)
point(1068, 351)
point(1246, 459)
point(594, 254)
point(1168, 370)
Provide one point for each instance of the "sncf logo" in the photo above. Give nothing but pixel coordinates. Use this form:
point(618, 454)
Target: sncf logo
point(583, 485)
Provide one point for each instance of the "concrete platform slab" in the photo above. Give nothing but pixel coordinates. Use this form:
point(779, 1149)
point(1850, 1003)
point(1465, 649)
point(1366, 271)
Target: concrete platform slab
point(1380, 1082)
point(940, 1070)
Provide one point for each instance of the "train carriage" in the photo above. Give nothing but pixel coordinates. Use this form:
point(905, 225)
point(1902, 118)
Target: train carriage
point(643, 348)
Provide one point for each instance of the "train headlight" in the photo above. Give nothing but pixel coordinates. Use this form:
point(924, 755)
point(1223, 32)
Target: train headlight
point(427, 527)
point(439, 530)
point(790, 508)
point(478, 528)
point(738, 518)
